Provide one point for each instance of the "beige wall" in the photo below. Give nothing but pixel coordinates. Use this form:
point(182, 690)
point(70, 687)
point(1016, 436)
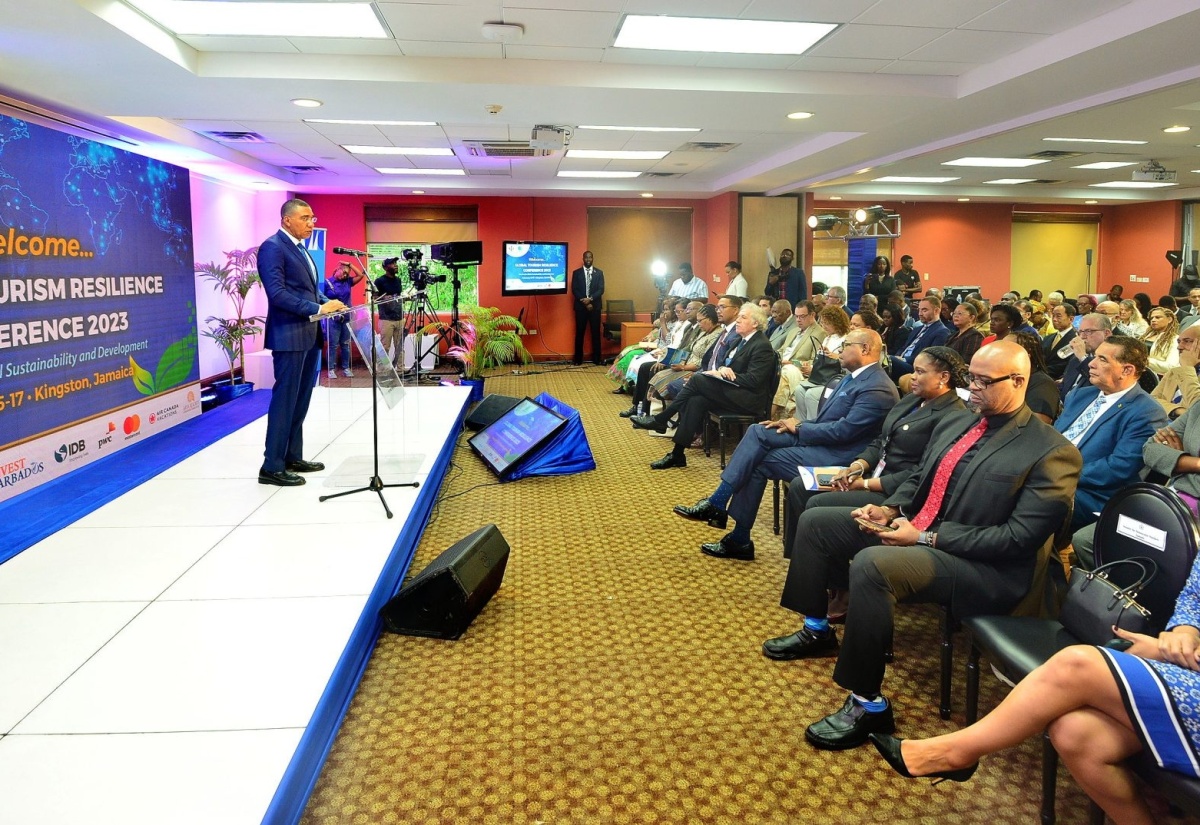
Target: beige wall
point(768, 222)
point(626, 241)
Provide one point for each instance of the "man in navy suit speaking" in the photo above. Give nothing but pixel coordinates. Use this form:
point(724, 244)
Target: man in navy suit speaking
point(289, 277)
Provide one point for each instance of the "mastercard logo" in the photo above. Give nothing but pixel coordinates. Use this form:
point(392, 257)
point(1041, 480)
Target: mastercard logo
point(132, 424)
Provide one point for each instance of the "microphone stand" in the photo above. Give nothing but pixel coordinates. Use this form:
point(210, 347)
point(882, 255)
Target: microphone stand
point(375, 484)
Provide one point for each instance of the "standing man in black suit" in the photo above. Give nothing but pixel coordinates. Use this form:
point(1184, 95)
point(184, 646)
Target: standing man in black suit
point(587, 285)
point(289, 277)
point(742, 382)
point(972, 527)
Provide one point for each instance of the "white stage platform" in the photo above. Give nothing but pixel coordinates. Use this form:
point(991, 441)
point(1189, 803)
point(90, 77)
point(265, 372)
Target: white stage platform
point(164, 655)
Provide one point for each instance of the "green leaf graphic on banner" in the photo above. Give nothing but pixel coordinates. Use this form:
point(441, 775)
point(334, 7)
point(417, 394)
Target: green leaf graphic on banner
point(142, 379)
point(175, 364)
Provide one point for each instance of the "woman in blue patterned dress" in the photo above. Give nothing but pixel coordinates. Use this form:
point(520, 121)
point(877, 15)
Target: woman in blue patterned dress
point(1100, 706)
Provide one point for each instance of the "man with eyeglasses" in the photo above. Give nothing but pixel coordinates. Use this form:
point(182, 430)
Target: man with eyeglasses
point(973, 527)
point(289, 277)
point(850, 419)
point(1109, 420)
point(1094, 329)
point(1057, 345)
point(1179, 387)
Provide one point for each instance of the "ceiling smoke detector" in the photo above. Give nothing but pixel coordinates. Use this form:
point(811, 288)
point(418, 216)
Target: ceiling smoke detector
point(503, 32)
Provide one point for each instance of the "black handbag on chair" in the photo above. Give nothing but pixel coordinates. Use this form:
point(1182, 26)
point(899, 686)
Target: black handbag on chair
point(1095, 603)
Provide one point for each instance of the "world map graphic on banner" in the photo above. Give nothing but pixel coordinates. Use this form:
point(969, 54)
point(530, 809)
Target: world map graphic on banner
point(97, 299)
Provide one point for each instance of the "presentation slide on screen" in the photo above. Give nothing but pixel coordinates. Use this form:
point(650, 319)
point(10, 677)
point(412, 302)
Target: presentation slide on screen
point(514, 434)
point(97, 302)
point(534, 266)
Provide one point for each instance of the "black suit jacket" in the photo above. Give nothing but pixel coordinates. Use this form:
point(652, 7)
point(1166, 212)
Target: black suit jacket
point(578, 280)
point(1055, 365)
point(1006, 506)
point(905, 435)
point(754, 365)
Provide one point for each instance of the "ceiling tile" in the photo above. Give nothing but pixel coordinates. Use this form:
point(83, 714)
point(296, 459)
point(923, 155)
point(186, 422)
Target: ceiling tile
point(813, 11)
point(770, 62)
point(344, 45)
point(478, 131)
point(687, 8)
point(548, 27)
point(973, 46)
point(521, 51)
point(263, 45)
point(424, 48)
point(839, 64)
point(927, 67)
point(1041, 17)
point(935, 13)
point(874, 41)
point(418, 21)
point(517, 6)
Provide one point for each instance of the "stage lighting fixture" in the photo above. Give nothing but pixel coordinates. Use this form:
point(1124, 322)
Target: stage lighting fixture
point(870, 214)
point(823, 223)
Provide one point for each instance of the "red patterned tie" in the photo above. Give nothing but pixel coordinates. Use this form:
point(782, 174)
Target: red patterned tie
point(941, 478)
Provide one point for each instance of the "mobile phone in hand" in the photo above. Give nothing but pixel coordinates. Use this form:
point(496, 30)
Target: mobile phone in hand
point(874, 526)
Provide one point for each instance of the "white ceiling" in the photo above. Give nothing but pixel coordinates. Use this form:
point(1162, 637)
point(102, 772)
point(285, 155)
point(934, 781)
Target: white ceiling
point(901, 87)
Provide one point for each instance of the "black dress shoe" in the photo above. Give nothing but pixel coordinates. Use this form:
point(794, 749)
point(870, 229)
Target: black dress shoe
point(303, 466)
point(619, 391)
point(849, 727)
point(629, 413)
point(889, 749)
point(279, 479)
point(704, 510)
point(803, 644)
point(648, 422)
point(668, 461)
point(726, 549)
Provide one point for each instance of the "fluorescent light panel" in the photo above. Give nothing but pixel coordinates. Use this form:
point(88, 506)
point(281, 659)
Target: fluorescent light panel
point(1131, 184)
point(1010, 181)
point(641, 128)
point(717, 35)
point(999, 163)
point(1096, 140)
point(371, 122)
point(912, 179)
point(1105, 164)
point(186, 17)
point(601, 154)
point(404, 170)
point(397, 150)
point(599, 174)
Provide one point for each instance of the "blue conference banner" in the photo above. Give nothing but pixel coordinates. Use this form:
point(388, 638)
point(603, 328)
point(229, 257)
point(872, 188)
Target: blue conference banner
point(97, 298)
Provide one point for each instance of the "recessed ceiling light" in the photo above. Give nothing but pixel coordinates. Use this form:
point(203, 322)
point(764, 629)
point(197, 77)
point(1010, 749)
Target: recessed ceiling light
point(641, 128)
point(1105, 164)
point(599, 174)
point(835, 197)
point(912, 179)
point(1001, 163)
point(863, 171)
point(711, 34)
point(964, 200)
point(371, 122)
point(396, 150)
point(1172, 130)
point(307, 102)
point(1131, 184)
point(647, 194)
point(404, 170)
point(418, 191)
point(800, 115)
point(1010, 181)
point(295, 19)
point(1097, 140)
point(601, 154)
point(1091, 203)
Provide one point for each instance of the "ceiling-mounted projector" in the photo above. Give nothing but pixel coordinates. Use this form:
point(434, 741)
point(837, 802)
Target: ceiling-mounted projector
point(1154, 171)
point(549, 138)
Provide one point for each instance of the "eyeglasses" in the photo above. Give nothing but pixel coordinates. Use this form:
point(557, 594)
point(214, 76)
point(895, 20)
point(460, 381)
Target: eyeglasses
point(852, 344)
point(1090, 331)
point(983, 382)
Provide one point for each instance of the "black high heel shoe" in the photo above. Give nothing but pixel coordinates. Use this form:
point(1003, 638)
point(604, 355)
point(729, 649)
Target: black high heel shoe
point(889, 749)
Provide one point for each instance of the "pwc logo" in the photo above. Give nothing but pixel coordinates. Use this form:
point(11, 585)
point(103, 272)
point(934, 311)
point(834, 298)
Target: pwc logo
point(107, 438)
point(71, 451)
point(132, 425)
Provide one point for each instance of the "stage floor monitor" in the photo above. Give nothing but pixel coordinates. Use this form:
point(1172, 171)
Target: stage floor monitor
point(514, 436)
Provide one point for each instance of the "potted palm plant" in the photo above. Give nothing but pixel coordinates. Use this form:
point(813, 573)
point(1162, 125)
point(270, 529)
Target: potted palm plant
point(487, 339)
point(236, 278)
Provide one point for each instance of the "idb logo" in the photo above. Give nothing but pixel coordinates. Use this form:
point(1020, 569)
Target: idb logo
point(69, 451)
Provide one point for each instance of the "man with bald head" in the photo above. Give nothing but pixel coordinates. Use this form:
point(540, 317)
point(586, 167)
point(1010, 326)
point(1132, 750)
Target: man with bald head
point(848, 421)
point(973, 527)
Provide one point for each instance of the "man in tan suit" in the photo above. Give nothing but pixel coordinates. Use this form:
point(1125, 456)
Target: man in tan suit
point(1179, 387)
point(802, 349)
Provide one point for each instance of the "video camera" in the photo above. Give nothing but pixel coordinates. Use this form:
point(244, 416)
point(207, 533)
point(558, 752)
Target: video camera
point(417, 273)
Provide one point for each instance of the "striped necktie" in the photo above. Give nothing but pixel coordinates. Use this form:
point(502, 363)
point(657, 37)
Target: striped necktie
point(312, 268)
point(1080, 424)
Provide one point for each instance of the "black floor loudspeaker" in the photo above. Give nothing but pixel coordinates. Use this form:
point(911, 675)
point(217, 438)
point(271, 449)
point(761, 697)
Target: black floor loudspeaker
point(443, 599)
point(489, 409)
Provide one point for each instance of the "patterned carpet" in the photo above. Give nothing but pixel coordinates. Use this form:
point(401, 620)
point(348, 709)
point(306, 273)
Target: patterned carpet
point(616, 676)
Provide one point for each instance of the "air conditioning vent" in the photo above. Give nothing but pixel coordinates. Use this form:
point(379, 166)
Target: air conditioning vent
point(305, 170)
point(502, 149)
point(236, 137)
point(1054, 154)
point(706, 146)
point(489, 173)
point(1043, 180)
point(662, 174)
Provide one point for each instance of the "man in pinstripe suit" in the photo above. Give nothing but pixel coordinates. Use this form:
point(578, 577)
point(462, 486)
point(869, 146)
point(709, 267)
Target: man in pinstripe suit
point(289, 277)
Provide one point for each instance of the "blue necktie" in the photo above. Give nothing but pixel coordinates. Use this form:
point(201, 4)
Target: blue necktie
point(312, 268)
point(1080, 424)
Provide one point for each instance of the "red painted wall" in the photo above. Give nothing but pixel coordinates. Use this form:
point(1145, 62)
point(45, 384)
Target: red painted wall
point(714, 237)
point(971, 243)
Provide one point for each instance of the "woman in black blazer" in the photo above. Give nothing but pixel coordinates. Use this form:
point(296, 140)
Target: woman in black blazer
point(937, 373)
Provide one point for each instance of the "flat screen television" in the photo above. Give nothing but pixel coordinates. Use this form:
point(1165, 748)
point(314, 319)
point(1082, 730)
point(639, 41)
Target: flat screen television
point(534, 268)
point(512, 437)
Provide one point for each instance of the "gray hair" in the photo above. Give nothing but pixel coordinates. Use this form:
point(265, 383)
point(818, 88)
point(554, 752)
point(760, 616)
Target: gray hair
point(836, 292)
point(756, 314)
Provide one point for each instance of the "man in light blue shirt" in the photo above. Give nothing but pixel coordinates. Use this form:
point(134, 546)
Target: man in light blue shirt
point(688, 286)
